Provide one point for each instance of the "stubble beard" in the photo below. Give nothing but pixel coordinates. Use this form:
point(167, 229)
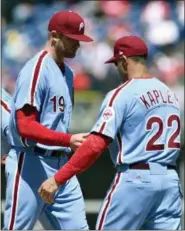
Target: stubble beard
point(59, 51)
point(63, 51)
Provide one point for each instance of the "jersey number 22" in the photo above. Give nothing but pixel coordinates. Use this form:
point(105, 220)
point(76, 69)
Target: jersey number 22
point(172, 143)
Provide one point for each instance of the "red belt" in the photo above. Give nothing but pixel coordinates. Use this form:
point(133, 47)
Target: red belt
point(144, 166)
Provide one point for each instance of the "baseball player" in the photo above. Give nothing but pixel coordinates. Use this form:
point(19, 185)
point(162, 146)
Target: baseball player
point(140, 122)
point(40, 140)
point(6, 98)
point(5, 115)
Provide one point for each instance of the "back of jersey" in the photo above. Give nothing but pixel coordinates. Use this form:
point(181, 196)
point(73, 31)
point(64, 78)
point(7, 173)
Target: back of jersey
point(150, 131)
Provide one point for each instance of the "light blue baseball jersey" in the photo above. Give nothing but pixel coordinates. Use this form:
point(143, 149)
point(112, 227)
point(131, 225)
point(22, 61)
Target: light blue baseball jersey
point(42, 84)
point(142, 117)
point(5, 113)
point(5, 138)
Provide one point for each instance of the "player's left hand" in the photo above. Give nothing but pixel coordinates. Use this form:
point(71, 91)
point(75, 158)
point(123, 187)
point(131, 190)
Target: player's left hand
point(48, 189)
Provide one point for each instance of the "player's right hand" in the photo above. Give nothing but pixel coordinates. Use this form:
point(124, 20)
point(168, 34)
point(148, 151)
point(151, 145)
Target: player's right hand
point(3, 159)
point(77, 140)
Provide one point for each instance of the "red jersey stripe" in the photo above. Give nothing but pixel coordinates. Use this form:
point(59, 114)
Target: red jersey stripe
point(16, 188)
point(121, 148)
point(36, 75)
point(100, 225)
point(102, 127)
point(116, 92)
point(112, 100)
point(5, 106)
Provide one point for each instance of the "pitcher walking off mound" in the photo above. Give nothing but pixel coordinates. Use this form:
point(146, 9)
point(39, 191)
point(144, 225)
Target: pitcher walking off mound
point(39, 123)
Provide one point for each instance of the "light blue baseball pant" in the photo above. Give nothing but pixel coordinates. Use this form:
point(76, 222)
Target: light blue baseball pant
point(25, 172)
point(142, 199)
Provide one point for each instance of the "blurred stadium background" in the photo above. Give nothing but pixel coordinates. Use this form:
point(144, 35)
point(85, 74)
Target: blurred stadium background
point(160, 23)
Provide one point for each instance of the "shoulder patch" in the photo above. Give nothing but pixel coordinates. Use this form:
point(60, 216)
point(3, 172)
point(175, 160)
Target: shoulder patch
point(108, 114)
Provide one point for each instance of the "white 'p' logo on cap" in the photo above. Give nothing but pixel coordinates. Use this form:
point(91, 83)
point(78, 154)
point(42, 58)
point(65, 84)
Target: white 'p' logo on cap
point(81, 26)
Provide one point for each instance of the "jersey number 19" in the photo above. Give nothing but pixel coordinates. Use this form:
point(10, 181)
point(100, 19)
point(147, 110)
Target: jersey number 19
point(58, 103)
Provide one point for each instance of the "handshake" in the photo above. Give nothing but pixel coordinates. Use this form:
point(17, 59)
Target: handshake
point(77, 139)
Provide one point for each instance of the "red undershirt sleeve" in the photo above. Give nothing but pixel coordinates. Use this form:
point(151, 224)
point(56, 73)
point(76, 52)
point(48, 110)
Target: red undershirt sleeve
point(28, 126)
point(83, 158)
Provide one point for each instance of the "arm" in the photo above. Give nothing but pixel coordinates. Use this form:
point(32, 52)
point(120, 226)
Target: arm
point(5, 139)
point(5, 109)
point(5, 143)
point(104, 131)
point(83, 158)
point(30, 128)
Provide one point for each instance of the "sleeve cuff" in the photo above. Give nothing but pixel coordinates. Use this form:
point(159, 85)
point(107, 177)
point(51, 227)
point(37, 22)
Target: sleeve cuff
point(58, 179)
point(65, 141)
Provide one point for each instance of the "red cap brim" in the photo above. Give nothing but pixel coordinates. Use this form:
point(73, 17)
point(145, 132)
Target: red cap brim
point(111, 60)
point(80, 37)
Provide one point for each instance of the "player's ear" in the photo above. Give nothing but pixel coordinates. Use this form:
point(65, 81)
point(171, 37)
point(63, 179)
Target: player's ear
point(124, 61)
point(54, 37)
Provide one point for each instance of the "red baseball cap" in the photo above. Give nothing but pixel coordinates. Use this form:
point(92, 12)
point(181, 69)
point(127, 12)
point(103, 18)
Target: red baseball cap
point(70, 24)
point(128, 46)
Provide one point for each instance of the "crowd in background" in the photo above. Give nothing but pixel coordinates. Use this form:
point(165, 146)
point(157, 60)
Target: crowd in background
point(160, 23)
